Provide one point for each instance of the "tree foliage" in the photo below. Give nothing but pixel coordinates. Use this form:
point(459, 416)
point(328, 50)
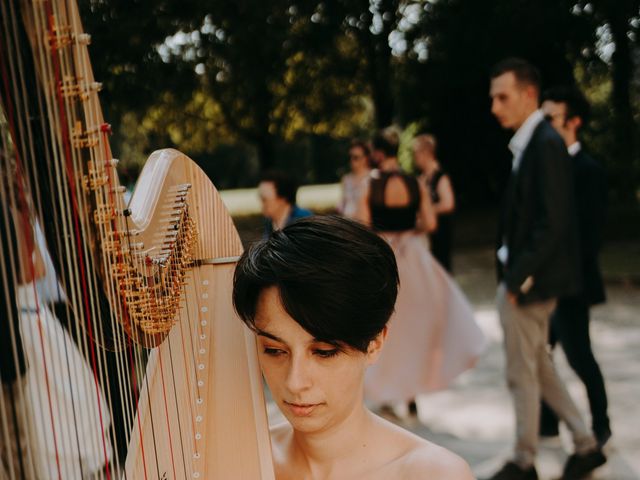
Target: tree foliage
point(270, 77)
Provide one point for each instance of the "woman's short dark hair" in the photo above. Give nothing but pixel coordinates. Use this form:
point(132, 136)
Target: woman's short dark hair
point(336, 278)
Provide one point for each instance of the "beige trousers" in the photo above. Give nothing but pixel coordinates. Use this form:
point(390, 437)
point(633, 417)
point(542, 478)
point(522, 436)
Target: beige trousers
point(531, 375)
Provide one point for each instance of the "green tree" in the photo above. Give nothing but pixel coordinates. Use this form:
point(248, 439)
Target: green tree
point(275, 68)
point(619, 16)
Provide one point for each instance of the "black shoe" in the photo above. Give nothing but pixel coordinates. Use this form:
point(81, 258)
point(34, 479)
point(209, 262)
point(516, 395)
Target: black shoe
point(578, 466)
point(413, 408)
point(512, 471)
point(602, 436)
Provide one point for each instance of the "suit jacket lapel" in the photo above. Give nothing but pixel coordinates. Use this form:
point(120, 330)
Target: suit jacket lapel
point(515, 181)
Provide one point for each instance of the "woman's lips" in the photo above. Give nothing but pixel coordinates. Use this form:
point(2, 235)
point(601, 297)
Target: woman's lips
point(301, 409)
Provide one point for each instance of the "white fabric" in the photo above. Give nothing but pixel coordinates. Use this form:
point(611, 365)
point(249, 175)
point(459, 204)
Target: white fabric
point(433, 336)
point(574, 148)
point(503, 254)
point(65, 401)
point(353, 188)
point(522, 137)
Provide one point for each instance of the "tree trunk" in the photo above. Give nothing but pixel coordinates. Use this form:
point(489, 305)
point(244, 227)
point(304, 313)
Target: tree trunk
point(382, 93)
point(266, 152)
point(379, 59)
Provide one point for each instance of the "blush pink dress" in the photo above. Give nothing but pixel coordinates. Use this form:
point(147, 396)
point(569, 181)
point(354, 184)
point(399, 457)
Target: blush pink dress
point(433, 336)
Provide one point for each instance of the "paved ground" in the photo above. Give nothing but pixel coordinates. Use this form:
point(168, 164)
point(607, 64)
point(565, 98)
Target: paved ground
point(475, 418)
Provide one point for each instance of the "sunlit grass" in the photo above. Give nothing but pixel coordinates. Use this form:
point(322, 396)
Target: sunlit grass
point(318, 198)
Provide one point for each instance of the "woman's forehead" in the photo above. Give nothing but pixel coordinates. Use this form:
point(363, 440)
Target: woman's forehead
point(271, 315)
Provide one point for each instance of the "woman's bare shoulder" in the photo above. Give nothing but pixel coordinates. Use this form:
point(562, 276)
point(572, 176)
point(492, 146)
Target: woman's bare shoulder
point(418, 458)
point(429, 459)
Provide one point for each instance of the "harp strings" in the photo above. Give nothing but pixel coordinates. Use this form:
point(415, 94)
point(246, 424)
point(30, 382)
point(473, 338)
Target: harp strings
point(61, 142)
point(62, 116)
point(34, 331)
point(118, 225)
point(15, 200)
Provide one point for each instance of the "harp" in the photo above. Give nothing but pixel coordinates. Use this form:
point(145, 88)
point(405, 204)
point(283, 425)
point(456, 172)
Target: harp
point(138, 367)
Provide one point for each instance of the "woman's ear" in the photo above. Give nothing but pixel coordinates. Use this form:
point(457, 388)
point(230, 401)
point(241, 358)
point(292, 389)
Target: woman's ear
point(375, 346)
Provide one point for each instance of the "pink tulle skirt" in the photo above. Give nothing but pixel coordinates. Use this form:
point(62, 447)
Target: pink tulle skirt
point(433, 336)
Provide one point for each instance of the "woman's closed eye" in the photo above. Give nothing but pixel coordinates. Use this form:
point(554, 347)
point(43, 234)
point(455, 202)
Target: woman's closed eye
point(326, 353)
point(273, 351)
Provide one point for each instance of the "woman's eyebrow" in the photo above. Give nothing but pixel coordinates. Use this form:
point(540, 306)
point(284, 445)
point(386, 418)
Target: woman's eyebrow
point(262, 333)
point(333, 343)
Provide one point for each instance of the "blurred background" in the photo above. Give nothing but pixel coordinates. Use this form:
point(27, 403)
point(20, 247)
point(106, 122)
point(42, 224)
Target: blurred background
point(245, 86)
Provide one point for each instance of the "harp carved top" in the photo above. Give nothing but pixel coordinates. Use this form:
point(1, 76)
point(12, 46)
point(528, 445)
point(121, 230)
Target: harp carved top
point(142, 252)
point(175, 218)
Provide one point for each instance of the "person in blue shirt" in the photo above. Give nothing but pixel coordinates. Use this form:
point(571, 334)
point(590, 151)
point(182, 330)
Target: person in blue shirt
point(277, 192)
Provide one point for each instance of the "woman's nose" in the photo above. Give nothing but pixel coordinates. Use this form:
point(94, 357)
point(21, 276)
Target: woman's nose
point(298, 376)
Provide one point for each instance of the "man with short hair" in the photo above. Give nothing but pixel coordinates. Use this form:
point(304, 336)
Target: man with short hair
point(277, 192)
point(537, 263)
point(568, 110)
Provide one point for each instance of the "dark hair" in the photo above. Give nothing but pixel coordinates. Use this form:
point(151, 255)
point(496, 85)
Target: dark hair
point(364, 146)
point(525, 73)
point(336, 278)
point(572, 97)
point(285, 186)
point(360, 143)
point(388, 141)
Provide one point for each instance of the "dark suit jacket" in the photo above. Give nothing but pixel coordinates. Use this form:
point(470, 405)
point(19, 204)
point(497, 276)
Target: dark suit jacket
point(538, 222)
point(591, 201)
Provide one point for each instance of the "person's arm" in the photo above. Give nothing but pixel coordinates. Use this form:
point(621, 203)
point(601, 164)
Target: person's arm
point(427, 218)
point(447, 202)
point(343, 197)
point(31, 262)
point(363, 212)
point(552, 188)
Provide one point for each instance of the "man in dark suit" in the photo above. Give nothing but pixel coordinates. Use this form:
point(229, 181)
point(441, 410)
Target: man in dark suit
point(537, 253)
point(567, 110)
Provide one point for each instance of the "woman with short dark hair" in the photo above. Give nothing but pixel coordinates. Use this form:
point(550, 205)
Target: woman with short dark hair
point(318, 294)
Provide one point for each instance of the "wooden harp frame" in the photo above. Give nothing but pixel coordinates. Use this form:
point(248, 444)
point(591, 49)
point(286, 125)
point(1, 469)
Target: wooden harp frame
point(163, 266)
